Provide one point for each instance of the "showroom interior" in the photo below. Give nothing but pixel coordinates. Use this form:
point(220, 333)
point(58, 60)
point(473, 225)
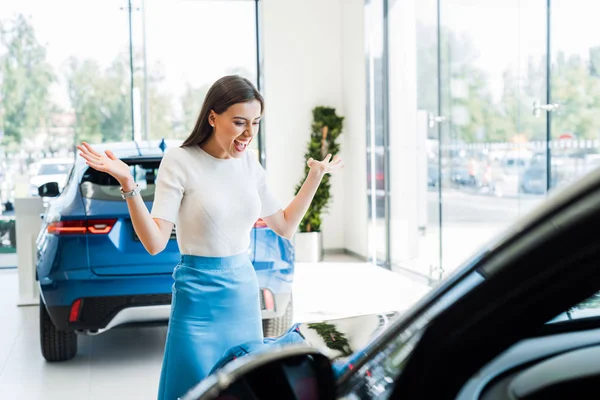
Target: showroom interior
point(460, 117)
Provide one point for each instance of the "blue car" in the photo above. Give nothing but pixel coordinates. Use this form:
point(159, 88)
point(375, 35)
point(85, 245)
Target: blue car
point(94, 273)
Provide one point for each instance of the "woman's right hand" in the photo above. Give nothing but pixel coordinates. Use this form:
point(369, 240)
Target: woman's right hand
point(108, 163)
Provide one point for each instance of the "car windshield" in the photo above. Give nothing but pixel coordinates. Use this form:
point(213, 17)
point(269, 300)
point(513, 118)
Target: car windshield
point(101, 186)
point(55, 169)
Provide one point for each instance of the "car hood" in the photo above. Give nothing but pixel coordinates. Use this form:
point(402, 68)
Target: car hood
point(587, 309)
point(340, 338)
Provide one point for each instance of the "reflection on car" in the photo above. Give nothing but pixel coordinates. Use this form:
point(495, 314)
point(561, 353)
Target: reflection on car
point(94, 273)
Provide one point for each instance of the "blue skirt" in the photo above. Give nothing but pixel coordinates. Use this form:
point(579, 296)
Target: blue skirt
point(215, 307)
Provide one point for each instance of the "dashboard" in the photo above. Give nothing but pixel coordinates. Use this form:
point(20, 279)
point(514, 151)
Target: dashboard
point(557, 366)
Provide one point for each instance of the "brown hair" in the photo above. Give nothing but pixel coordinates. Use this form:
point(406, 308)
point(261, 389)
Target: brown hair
point(224, 93)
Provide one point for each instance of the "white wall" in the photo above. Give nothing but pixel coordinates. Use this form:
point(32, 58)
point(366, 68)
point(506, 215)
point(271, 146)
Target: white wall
point(313, 55)
point(355, 141)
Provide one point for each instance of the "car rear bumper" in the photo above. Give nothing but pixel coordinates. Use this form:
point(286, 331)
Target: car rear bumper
point(99, 314)
point(100, 304)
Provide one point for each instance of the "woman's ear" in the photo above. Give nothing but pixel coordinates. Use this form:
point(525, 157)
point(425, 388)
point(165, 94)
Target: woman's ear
point(211, 118)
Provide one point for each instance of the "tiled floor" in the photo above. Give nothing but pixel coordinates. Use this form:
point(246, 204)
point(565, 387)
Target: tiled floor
point(125, 363)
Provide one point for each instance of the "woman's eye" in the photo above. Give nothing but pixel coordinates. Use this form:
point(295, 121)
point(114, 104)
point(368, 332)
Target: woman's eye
point(240, 123)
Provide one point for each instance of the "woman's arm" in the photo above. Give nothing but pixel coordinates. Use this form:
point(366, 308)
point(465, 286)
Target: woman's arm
point(154, 233)
point(286, 222)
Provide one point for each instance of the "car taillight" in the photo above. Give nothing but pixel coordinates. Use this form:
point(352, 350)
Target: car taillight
point(94, 227)
point(101, 227)
point(260, 224)
point(75, 309)
point(269, 301)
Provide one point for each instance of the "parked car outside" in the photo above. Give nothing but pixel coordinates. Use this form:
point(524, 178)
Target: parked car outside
point(534, 178)
point(51, 170)
point(94, 273)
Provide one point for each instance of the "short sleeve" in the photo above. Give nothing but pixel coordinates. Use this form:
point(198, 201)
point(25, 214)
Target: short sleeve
point(170, 186)
point(269, 203)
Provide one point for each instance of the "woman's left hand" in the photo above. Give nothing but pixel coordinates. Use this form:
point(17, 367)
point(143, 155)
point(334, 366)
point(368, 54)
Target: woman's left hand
point(327, 166)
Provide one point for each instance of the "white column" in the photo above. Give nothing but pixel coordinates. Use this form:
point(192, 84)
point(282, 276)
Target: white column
point(403, 131)
point(28, 223)
point(355, 136)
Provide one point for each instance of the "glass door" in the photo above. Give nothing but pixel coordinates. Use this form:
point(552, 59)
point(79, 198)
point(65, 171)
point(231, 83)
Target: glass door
point(412, 137)
point(477, 110)
point(574, 44)
point(493, 71)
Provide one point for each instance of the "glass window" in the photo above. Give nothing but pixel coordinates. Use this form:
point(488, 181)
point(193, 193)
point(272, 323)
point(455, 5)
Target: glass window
point(495, 121)
point(179, 49)
point(101, 186)
point(62, 80)
point(491, 161)
point(575, 89)
point(105, 72)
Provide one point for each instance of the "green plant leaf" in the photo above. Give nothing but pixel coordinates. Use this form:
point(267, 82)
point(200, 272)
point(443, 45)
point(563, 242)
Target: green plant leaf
point(323, 117)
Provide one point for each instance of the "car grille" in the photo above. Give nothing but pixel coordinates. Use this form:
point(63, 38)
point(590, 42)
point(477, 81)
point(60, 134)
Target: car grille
point(98, 311)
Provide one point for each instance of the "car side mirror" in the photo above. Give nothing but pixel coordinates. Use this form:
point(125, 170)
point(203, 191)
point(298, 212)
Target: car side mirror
point(49, 189)
point(293, 372)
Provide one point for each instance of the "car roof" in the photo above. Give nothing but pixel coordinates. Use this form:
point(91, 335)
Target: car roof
point(131, 149)
point(57, 160)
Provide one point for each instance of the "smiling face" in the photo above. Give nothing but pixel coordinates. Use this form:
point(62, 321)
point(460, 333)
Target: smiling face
point(234, 129)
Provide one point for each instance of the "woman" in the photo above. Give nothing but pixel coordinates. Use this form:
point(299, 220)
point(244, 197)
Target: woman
point(213, 190)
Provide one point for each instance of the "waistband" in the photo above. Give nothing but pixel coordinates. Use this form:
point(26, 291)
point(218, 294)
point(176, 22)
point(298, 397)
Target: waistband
point(215, 262)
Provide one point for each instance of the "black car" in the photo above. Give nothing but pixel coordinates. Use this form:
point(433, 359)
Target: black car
point(518, 321)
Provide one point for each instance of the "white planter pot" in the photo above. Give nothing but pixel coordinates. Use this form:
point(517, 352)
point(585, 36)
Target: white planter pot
point(308, 246)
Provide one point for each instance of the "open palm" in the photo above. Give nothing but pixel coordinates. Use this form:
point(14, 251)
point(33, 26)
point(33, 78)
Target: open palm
point(327, 166)
point(105, 162)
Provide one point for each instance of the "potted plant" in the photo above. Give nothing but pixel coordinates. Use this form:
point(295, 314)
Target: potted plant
point(326, 128)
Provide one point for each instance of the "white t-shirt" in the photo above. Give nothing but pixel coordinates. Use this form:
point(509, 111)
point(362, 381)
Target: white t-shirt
point(213, 202)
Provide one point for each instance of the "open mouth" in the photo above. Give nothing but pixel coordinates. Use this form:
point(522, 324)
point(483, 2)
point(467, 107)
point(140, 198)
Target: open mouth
point(240, 145)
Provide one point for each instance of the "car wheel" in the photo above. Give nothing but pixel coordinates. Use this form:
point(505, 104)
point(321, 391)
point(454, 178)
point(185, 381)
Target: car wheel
point(56, 345)
point(275, 327)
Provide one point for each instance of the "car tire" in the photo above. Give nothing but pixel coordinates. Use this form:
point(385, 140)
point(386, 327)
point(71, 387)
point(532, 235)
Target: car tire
point(276, 327)
point(56, 345)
